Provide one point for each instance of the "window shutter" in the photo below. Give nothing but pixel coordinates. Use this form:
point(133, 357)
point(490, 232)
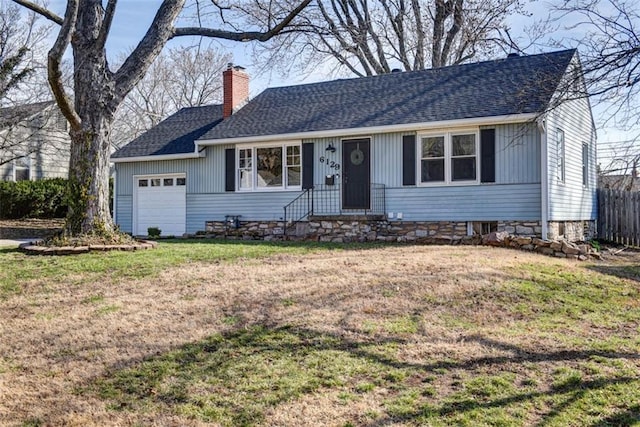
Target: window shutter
point(307, 165)
point(488, 155)
point(230, 169)
point(409, 160)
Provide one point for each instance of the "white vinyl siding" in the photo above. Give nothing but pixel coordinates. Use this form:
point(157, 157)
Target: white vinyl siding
point(572, 200)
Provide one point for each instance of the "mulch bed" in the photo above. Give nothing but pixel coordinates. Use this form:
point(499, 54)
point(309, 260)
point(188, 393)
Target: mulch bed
point(39, 229)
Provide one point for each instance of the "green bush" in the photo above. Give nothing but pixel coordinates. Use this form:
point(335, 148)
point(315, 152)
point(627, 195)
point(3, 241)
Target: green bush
point(33, 199)
point(153, 232)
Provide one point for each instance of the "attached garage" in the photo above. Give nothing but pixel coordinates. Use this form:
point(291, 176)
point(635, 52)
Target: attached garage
point(160, 201)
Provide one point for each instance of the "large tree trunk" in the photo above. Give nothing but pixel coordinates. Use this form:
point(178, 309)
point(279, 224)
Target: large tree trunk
point(90, 145)
point(89, 180)
point(98, 91)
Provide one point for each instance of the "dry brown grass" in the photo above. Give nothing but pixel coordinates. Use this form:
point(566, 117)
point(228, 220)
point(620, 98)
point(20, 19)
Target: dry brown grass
point(59, 337)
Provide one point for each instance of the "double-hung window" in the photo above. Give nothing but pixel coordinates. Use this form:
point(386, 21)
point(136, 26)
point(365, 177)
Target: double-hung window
point(270, 167)
point(449, 158)
point(585, 165)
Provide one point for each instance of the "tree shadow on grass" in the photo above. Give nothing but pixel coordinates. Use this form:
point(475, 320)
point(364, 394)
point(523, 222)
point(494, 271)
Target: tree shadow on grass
point(237, 378)
point(8, 250)
point(628, 417)
point(627, 271)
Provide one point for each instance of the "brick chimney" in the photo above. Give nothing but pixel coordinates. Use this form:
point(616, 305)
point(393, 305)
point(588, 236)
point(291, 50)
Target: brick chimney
point(235, 86)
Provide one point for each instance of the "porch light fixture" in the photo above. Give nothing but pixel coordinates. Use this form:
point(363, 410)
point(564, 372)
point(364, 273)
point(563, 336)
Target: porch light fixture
point(331, 148)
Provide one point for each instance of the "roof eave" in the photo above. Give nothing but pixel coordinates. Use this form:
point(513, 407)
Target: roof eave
point(160, 157)
point(479, 121)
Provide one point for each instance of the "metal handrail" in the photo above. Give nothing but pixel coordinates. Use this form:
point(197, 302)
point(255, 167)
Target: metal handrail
point(324, 199)
point(298, 209)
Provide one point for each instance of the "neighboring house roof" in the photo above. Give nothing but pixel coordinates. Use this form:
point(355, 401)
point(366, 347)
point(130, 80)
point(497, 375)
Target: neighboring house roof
point(513, 85)
point(174, 135)
point(13, 115)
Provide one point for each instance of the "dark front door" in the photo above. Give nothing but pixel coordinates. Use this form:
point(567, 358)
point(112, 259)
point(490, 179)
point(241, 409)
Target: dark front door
point(356, 173)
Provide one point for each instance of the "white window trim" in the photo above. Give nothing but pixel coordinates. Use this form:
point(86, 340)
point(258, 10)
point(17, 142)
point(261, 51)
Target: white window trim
point(561, 161)
point(254, 173)
point(447, 157)
point(29, 168)
point(585, 164)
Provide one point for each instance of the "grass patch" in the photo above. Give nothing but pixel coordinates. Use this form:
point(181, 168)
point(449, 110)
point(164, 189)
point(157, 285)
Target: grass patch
point(291, 334)
point(211, 380)
point(118, 265)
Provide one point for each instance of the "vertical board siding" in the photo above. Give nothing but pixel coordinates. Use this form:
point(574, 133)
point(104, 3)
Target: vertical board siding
point(386, 159)
point(204, 175)
point(386, 154)
point(322, 159)
point(571, 200)
point(517, 153)
point(124, 210)
point(619, 216)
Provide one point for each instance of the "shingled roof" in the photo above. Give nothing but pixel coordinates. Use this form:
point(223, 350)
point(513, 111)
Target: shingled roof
point(174, 135)
point(513, 85)
point(13, 115)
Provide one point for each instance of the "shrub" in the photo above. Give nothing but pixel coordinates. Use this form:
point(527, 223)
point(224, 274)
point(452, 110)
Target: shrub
point(153, 232)
point(33, 199)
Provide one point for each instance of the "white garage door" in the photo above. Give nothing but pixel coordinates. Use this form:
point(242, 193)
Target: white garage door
point(161, 202)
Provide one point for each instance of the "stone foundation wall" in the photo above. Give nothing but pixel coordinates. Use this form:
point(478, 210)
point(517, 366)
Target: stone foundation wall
point(573, 231)
point(510, 234)
point(345, 230)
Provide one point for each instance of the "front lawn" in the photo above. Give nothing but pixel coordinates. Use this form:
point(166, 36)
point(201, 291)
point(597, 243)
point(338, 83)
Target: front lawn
point(233, 333)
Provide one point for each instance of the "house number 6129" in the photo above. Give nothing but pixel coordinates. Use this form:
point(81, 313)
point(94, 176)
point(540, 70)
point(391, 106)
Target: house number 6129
point(330, 163)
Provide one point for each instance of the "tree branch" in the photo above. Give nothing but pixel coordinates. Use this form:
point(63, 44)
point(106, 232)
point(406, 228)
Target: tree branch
point(53, 65)
point(106, 23)
point(40, 11)
point(241, 36)
point(137, 64)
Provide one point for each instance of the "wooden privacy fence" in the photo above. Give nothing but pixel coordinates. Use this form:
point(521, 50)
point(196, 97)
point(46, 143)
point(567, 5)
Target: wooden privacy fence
point(619, 216)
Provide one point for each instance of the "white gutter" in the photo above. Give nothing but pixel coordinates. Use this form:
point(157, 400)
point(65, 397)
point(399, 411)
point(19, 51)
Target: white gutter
point(151, 157)
point(495, 120)
point(115, 194)
point(544, 178)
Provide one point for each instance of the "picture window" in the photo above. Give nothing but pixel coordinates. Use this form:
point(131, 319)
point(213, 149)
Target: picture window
point(270, 167)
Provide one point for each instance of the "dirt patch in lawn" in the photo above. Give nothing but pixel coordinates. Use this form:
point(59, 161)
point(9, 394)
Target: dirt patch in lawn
point(29, 228)
point(373, 336)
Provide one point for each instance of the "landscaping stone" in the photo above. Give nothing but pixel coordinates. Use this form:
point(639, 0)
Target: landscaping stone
point(569, 248)
point(38, 248)
point(523, 235)
point(556, 245)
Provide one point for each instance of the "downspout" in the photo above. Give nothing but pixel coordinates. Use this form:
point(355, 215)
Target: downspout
point(544, 178)
point(115, 193)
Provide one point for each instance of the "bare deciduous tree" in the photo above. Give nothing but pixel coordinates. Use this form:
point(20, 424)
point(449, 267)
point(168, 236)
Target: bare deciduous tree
point(371, 37)
point(24, 121)
point(21, 56)
point(609, 45)
point(99, 90)
point(181, 77)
